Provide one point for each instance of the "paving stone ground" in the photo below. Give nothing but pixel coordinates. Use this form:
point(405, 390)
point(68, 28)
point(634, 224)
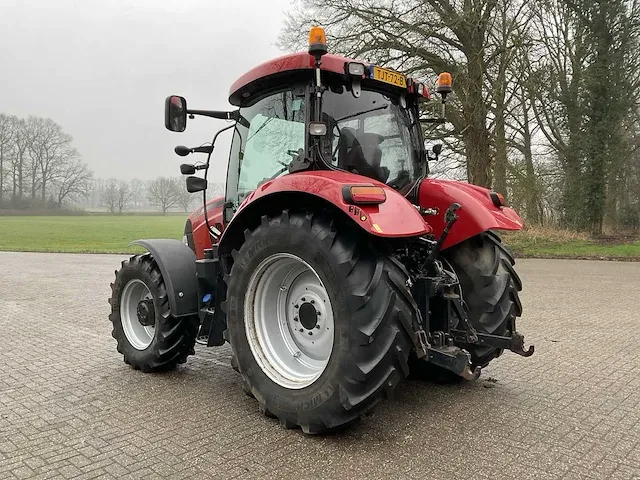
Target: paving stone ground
point(70, 407)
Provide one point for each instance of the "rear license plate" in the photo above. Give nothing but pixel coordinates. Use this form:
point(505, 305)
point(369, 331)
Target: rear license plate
point(389, 76)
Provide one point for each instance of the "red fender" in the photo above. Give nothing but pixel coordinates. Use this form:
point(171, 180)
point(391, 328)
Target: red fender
point(478, 213)
point(396, 217)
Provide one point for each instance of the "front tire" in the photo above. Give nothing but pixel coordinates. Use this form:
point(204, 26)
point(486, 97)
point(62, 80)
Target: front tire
point(149, 337)
point(362, 299)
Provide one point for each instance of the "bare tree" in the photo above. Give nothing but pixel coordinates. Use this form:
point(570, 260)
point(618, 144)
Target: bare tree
point(7, 132)
point(21, 144)
point(75, 181)
point(185, 199)
point(137, 192)
point(123, 195)
point(421, 38)
point(50, 149)
point(34, 154)
point(110, 195)
point(164, 193)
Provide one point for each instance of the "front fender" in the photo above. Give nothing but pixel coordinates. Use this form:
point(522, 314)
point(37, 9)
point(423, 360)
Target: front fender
point(396, 217)
point(478, 213)
point(177, 263)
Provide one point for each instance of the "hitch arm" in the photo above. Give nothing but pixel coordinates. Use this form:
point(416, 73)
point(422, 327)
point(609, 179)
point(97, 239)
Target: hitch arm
point(515, 342)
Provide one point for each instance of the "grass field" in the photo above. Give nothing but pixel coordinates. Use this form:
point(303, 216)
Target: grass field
point(112, 234)
point(85, 234)
point(552, 243)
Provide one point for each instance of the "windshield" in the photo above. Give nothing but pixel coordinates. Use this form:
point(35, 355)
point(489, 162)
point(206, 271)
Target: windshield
point(373, 135)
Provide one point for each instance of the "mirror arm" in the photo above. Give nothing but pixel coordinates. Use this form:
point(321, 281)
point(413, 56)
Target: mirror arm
point(235, 115)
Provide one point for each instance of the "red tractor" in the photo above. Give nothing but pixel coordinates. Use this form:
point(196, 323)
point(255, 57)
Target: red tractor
point(332, 265)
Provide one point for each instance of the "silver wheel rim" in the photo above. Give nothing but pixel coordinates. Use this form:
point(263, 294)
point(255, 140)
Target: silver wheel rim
point(139, 336)
point(291, 346)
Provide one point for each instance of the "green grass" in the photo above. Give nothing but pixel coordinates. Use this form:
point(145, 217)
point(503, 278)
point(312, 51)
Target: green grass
point(112, 234)
point(85, 234)
point(552, 243)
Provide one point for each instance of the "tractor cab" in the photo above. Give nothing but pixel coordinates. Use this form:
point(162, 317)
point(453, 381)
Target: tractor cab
point(313, 110)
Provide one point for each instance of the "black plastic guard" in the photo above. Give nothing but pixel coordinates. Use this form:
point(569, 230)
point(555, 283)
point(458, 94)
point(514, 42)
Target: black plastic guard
point(177, 264)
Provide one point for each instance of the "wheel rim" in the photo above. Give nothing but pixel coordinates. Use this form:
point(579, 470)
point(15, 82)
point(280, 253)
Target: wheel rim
point(139, 336)
point(289, 321)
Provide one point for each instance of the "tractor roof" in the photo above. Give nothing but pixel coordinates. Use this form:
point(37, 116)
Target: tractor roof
point(300, 61)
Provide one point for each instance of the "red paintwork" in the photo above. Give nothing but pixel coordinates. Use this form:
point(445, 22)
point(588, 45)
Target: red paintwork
point(201, 238)
point(396, 217)
point(478, 213)
point(293, 61)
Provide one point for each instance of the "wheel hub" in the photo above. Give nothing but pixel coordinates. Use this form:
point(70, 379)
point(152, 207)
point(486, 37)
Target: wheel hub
point(146, 313)
point(137, 314)
point(289, 321)
point(308, 315)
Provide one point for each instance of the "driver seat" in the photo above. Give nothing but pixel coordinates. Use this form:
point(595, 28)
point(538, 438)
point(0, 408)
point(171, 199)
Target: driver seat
point(355, 149)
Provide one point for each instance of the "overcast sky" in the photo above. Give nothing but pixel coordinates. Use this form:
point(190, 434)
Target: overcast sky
point(102, 69)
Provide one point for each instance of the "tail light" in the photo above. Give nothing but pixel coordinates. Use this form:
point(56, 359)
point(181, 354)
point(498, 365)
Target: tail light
point(364, 195)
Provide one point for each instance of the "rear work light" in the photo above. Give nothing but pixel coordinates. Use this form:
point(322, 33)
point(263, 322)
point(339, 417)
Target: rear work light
point(355, 69)
point(497, 199)
point(364, 195)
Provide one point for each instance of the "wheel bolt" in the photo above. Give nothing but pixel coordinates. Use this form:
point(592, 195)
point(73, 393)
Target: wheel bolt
point(318, 327)
point(296, 306)
point(313, 301)
point(310, 333)
point(301, 330)
point(303, 299)
point(295, 319)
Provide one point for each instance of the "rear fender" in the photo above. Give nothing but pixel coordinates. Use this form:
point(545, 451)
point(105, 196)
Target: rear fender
point(478, 213)
point(177, 263)
point(395, 218)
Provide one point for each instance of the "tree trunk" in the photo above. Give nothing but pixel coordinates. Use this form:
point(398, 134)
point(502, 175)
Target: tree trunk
point(476, 142)
point(476, 135)
point(572, 194)
point(500, 161)
point(1, 176)
point(20, 177)
point(532, 210)
point(34, 176)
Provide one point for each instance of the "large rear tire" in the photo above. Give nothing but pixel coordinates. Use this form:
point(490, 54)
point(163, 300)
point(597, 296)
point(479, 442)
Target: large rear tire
point(354, 299)
point(150, 338)
point(490, 287)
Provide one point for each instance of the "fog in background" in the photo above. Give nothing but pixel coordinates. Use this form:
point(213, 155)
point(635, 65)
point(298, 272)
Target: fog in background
point(102, 69)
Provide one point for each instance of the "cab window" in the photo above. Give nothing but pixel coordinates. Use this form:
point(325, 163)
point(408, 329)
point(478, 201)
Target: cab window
point(270, 135)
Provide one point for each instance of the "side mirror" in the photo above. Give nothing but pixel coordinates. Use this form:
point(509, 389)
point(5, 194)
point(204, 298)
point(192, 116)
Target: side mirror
point(434, 153)
point(196, 184)
point(175, 113)
point(186, 169)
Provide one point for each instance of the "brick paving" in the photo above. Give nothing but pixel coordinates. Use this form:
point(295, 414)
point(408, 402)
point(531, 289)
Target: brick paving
point(70, 407)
